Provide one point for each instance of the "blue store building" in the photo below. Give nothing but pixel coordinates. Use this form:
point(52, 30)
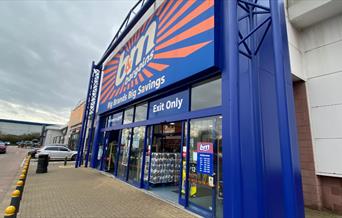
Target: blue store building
point(193, 101)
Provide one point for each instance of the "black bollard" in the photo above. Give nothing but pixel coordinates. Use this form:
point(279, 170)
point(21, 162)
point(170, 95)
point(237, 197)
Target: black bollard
point(65, 161)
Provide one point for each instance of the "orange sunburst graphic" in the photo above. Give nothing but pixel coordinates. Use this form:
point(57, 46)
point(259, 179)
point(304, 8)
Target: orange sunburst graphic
point(180, 24)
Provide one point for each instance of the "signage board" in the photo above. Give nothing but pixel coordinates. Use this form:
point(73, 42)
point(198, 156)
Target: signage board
point(205, 158)
point(170, 105)
point(174, 41)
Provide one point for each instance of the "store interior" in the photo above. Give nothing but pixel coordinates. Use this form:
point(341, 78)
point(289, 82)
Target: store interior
point(166, 160)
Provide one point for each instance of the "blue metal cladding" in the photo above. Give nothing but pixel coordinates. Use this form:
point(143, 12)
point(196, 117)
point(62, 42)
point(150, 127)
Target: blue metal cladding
point(261, 171)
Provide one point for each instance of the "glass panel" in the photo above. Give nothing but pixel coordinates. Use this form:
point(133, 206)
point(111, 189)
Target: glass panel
point(140, 113)
point(137, 149)
point(205, 95)
point(219, 187)
point(148, 153)
point(123, 155)
point(128, 117)
point(111, 151)
point(202, 131)
point(184, 153)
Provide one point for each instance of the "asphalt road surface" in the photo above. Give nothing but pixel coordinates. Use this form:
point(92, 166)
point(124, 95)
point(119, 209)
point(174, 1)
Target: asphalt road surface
point(9, 167)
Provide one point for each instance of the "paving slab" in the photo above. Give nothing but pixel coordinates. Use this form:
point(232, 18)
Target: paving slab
point(68, 192)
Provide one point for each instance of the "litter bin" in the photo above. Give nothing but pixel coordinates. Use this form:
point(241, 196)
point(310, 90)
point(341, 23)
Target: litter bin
point(43, 162)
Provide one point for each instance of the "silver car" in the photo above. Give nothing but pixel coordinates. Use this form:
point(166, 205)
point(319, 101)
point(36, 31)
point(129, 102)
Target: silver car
point(57, 152)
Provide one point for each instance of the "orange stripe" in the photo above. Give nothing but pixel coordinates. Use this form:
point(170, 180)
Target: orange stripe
point(156, 66)
point(141, 78)
point(195, 30)
point(178, 14)
point(147, 73)
point(128, 85)
point(136, 81)
point(132, 83)
point(195, 13)
point(170, 12)
point(110, 69)
point(181, 52)
point(166, 9)
point(106, 94)
point(106, 77)
point(111, 81)
point(111, 62)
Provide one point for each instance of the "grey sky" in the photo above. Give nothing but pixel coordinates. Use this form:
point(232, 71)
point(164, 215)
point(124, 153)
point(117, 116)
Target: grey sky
point(46, 48)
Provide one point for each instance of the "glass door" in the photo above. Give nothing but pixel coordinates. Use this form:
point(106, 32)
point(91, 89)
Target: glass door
point(111, 151)
point(123, 153)
point(136, 155)
point(205, 163)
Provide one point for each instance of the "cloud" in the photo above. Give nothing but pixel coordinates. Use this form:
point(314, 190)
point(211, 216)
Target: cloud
point(46, 48)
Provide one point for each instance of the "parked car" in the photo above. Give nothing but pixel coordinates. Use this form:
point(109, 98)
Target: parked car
point(28, 144)
point(57, 152)
point(7, 143)
point(35, 143)
point(3, 147)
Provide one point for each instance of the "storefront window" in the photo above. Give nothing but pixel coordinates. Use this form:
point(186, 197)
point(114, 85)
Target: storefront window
point(136, 154)
point(124, 152)
point(140, 113)
point(206, 94)
point(128, 116)
point(205, 163)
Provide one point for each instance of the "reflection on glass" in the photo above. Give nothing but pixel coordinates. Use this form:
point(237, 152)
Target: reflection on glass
point(124, 152)
point(205, 95)
point(140, 112)
point(148, 153)
point(206, 131)
point(128, 116)
point(136, 154)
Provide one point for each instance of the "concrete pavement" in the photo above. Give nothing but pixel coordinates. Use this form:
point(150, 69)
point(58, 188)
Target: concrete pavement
point(69, 192)
point(9, 170)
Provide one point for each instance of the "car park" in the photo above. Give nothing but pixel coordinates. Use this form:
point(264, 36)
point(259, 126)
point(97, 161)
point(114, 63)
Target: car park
point(3, 147)
point(57, 152)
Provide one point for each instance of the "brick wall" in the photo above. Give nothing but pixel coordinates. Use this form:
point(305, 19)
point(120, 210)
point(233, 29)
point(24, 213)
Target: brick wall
point(311, 183)
point(320, 192)
point(332, 193)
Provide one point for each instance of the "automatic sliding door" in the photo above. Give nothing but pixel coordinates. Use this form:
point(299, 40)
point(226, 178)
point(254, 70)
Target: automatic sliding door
point(136, 155)
point(123, 154)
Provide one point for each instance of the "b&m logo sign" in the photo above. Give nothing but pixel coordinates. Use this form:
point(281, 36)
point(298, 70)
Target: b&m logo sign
point(176, 41)
point(205, 147)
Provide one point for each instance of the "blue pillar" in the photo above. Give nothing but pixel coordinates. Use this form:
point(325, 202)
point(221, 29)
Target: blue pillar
point(97, 136)
point(289, 148)
point(227, 45)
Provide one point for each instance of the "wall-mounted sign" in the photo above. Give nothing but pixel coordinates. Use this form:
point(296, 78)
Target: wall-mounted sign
point(170, 105)
point(172, 41)
point(205, 158)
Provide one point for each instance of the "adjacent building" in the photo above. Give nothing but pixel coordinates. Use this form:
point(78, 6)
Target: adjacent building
point(75, 124)
point(315, 44)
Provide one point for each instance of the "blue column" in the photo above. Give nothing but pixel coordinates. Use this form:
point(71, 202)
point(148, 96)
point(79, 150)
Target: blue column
point(97, 136)
point(227, 47)
point(289, 148)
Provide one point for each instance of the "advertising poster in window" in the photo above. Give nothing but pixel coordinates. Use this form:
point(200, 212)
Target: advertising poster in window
point(205, 158)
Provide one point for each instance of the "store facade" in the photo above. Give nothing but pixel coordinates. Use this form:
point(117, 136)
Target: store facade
point(172, 120)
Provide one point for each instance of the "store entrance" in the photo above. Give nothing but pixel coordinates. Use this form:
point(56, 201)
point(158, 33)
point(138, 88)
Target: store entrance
point(111, 151)
point(165, 157)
